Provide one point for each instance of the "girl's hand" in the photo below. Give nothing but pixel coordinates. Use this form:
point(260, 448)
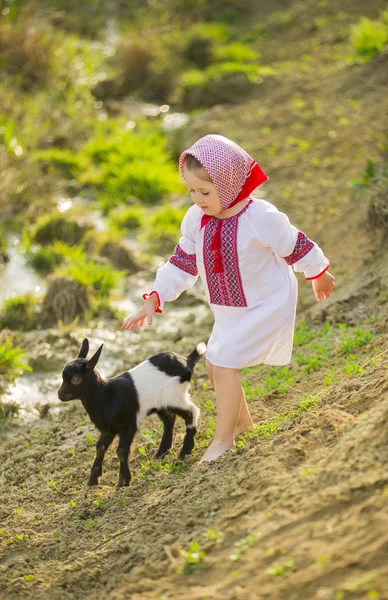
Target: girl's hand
point(323, 286)
point(146, 312)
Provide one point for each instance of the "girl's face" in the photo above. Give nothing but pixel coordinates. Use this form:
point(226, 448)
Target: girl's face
point(203, 193)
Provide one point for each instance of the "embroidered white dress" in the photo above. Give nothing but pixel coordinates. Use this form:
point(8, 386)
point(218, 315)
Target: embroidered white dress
point(253, 299)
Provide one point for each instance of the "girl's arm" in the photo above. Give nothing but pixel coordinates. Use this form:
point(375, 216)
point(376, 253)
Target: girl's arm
point(178, 274)
point(296, 249)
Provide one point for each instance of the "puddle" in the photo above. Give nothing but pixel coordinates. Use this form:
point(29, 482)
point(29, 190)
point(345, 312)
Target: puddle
point(17, 277)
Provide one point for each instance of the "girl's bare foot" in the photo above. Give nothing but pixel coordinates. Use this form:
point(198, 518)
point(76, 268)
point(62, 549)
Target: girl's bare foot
point(242, 428)
point(215, 450)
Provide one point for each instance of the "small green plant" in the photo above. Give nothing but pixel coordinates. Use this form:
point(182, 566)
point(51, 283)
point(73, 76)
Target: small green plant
point(210, 534)
point(243, 545)
point(89, 524)
point(28, 577)
point(280, 569)
point(90, 439)
point(369, 37)
point(193, 557)
point(11, 355)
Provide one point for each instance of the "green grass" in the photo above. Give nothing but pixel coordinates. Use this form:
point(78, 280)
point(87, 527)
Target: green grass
point(47, 258)
point(131, 217)
point(11, 365)
point(117, 163)
point(101, 277)
point(162, 229)
point(19, 312)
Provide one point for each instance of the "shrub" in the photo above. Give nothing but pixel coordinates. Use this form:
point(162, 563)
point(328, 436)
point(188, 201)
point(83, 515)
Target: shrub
point(199, 51)
point(52, 228)
point(11, 359)
point(101, 277)
point(19, 313)
point(369, 37)
point(120, 256)
point(7, 411)
point(220, 84)
point(131, 217)
point(117, 163)
point(27, 53)
point(65, 300)
point(163, 228)
point(47, 258)
point(3, 247)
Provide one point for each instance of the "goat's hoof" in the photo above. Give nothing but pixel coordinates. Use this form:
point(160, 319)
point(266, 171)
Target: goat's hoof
point(93, 482)
point(123, 484)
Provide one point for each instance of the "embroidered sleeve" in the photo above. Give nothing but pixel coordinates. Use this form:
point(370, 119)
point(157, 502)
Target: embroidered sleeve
point(180, 272)
point(302, 247)
point(184, 261)
point(275, 230)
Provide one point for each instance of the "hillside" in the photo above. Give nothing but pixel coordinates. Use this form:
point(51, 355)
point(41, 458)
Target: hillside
point(299, 509)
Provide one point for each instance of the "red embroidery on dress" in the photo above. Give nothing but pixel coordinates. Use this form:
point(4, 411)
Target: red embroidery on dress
point(302, 247)
point(185, 262)
point(225, 288)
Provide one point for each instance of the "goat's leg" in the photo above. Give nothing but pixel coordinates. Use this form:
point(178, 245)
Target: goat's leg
point(102, 446)
point(125, 441)
point(168, 420)
point(190, 417)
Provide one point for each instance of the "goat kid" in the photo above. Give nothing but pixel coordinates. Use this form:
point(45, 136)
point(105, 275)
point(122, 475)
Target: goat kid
point(116, 406)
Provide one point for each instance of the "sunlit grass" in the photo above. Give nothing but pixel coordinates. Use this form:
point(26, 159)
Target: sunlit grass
point(19, 312)
point(11, 359)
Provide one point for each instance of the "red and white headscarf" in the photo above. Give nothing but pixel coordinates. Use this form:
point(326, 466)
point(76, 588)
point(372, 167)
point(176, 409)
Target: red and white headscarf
point(233, 171)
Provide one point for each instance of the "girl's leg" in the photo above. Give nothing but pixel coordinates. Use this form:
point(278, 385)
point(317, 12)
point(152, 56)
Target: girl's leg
point(244, 422)
point(228, 394)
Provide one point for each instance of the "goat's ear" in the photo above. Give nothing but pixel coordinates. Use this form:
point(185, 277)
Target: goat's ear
point(84, 349)
point(94, 360)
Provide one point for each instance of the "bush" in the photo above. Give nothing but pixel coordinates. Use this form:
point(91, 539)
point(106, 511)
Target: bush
point(119, 255)
point(52, 228)
point(369, 37)
point(199, 51)
point(130, 218)
point(117, 163)
point(215, 86)
point(3, 247)
point(163, 228)
point(11, 359)
point(101, 277)
point(27, 53)
point(19, 313)
point(47, 258)
point(65, 300)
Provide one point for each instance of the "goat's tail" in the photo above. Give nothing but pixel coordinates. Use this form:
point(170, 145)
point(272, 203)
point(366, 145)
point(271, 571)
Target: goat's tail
point(195, 355)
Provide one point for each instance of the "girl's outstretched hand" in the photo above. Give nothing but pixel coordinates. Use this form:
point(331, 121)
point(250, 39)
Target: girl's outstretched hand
point(146, 312)
point(323, 286)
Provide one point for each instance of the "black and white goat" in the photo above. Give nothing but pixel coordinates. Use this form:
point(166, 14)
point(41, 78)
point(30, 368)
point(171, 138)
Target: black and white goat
point(116, 406)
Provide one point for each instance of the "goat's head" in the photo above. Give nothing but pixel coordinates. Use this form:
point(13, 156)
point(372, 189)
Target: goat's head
point(78, 374)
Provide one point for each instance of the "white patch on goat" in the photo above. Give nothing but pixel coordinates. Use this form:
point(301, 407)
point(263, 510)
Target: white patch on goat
point(156, 389)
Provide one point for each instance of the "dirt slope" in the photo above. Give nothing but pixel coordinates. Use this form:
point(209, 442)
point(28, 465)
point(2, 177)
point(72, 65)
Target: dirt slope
point(303, 512)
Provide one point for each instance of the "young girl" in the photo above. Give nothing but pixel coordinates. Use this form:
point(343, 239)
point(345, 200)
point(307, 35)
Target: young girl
point(243, 249)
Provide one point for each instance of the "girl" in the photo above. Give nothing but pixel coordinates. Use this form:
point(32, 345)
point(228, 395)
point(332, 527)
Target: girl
point(243, 249)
